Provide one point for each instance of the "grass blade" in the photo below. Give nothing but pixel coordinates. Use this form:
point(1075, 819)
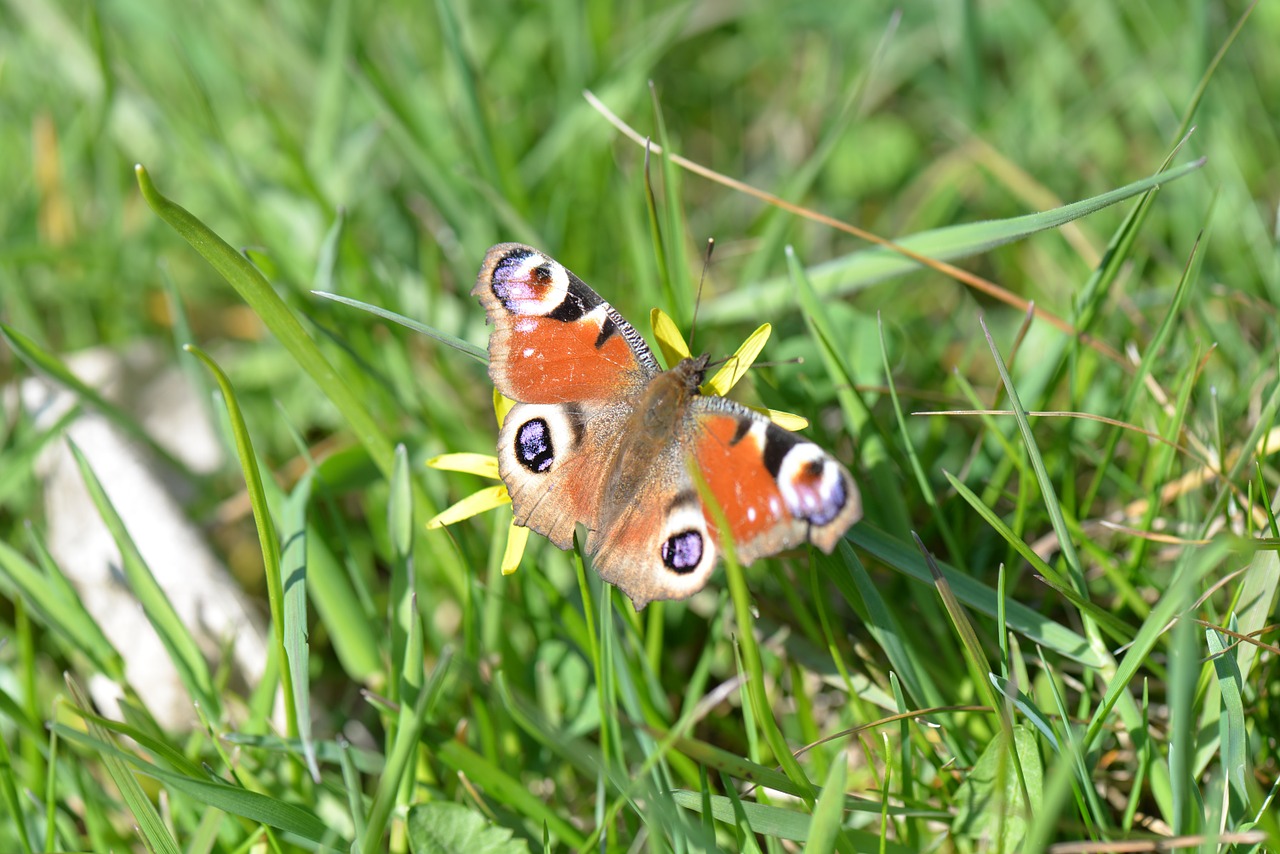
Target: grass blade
point(857, 270)
point(173, 632)
point(267, 538)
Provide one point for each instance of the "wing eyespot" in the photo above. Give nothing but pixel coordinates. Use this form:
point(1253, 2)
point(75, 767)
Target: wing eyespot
point(533, 446)
point(682, 552)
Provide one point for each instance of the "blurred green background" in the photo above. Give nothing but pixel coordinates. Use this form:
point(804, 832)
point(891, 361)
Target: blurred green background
point(377, 150)
point(441, 130)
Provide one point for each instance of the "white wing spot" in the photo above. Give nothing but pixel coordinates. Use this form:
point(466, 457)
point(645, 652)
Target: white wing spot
point(751, 514)
point(527, 352)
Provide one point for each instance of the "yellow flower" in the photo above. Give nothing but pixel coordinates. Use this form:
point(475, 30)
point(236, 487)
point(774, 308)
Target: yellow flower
point(673, 348)
point(489, 498)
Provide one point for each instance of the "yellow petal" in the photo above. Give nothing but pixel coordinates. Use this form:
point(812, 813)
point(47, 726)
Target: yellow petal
point(486, 499)
point(501, 406)
point(516, 538)
point(729, 374)
point(485, 465)
point(670, 341)
point(785, 420)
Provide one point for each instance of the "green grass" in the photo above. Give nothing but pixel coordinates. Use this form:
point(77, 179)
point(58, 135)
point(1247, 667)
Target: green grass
point(1048, 629)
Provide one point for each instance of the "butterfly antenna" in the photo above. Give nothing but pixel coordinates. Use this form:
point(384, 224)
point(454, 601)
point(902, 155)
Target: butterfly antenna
point(706, 263)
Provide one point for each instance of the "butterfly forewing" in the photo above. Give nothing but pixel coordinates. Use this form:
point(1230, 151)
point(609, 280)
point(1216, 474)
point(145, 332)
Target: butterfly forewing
point(554, 339)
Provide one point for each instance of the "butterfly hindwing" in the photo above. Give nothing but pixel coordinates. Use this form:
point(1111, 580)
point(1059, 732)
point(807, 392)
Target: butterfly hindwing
point(776, 489)
point(549, 456)
point(655, 540)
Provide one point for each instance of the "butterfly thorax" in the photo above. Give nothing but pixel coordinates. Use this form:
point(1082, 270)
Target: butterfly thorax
point(656, 419)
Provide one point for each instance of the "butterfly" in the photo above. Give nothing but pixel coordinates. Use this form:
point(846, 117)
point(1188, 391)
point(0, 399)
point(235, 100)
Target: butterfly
point(601, 435)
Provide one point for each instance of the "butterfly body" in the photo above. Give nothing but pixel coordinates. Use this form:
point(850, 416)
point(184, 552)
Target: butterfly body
point(601, 435)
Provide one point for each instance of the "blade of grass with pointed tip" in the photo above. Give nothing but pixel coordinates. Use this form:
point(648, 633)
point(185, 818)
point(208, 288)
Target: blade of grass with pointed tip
point(1137, 383)
point(480, 354)
point(1009, 461)
point(1118, 254)
point(859, 269)
point(1065, 542)
point(265, 525)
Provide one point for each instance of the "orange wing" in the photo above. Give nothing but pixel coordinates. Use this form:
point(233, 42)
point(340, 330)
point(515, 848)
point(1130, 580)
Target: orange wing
point(776, 489)
point(555, 340)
